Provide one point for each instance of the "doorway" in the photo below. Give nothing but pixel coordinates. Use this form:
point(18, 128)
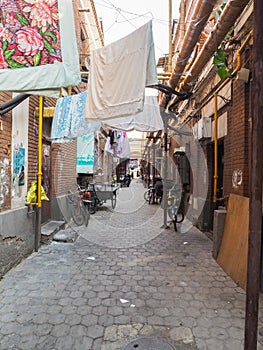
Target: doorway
point(46, 181)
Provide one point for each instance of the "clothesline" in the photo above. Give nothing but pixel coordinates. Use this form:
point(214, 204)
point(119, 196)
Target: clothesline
point(69, 122)
point(118, 76)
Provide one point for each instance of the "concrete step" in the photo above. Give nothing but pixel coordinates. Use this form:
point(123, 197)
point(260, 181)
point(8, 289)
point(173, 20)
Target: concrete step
point(49, 229)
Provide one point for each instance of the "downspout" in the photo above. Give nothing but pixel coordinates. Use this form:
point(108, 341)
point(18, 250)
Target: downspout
point(201, 14)
point(231, 12)
point(239, 60)
point(215, 149)
point(15, 101)
point(238, 67)
point(240, 51)
point(182, 19)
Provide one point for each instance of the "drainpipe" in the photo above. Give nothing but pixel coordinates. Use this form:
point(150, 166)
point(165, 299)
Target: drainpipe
point(238, 67)
point(215, 149)
point(8, 106)
point(231, 12)
point(239, 60)
point(240, 51)
point(182, 20)
point(201, 14)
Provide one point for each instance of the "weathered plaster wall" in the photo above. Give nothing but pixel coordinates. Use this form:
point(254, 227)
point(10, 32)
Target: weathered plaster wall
point(19, 142)
point(16, 237)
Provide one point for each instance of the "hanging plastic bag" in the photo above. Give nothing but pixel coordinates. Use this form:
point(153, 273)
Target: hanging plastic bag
point(31, 196)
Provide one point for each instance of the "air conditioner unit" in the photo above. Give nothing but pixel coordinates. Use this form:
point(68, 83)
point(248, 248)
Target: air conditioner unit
point(204, 128)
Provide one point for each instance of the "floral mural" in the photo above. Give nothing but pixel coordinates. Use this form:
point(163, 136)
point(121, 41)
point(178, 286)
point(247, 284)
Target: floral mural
point(29, 33)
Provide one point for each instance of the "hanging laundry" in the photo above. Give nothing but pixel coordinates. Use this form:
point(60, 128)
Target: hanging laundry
point(149, 119)
point(85, 154)
point(68, 122)
point(119, 73)
point(38, 51)
point(118, 144)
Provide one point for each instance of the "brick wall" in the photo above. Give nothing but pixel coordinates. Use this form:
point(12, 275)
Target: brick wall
point(64, 167)
point(236, 169)
point(32, 140)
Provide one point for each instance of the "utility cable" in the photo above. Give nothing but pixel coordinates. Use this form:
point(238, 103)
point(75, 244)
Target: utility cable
point(11, 104)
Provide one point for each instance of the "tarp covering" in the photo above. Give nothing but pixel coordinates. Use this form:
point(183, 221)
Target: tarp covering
point(119, 73)
point(38, 49)
point(148, 120)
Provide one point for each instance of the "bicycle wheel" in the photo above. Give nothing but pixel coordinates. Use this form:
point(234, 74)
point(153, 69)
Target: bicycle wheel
point(86, 215)
point(92, 206)
point(146, 195)
point(113, 200)
point(77, 213)
point(151, 198)
point(175, 227)
point(170, 211)
point(71, 196)
point(180, 216)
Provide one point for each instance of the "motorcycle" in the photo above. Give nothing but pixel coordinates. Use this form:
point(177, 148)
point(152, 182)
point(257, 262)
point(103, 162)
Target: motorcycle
point(125, 180)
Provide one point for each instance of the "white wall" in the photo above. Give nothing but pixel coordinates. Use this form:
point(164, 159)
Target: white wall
point(19, 140)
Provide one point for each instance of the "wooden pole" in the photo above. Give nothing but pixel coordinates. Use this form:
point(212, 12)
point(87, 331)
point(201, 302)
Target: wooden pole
point(215, 149)
point(170, 38)
point(255, 206)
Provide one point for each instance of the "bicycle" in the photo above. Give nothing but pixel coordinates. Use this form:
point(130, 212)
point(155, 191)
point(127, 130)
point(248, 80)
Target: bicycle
point(154, 194)
point(174, 210)
point(148, 194)
point(78, 209)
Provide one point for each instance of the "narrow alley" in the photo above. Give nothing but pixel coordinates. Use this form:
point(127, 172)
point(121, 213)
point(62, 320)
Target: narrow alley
point(124, 283)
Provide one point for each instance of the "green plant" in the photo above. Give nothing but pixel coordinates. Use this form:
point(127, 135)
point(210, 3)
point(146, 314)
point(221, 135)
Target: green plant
point(220, 60)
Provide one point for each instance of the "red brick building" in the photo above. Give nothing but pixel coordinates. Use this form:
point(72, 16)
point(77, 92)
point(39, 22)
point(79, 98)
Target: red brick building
point(19, 129)
point(204, 30)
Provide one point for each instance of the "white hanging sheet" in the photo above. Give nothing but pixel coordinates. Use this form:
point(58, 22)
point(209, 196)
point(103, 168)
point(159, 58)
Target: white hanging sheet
point(119, 73)
point(148, 120)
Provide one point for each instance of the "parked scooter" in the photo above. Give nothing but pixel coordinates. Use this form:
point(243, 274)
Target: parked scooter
point(125, 180)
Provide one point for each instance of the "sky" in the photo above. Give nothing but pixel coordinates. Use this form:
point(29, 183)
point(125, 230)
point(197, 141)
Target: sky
point(121, 17)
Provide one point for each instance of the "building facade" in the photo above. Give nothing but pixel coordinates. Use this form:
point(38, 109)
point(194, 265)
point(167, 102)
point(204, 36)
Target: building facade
point(209, 132)
point(19, 153)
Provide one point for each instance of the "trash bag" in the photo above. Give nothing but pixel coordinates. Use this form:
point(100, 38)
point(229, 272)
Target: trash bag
point(31, 196)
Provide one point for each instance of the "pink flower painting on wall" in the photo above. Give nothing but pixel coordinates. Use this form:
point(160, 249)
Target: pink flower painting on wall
point(29, 33)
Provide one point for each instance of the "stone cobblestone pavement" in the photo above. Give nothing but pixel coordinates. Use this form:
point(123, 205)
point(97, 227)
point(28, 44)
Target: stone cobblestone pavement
point(124, 278)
